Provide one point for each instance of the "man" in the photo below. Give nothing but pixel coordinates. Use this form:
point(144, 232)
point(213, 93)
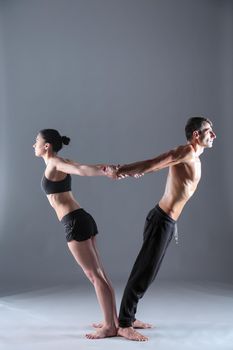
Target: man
point(182, 180)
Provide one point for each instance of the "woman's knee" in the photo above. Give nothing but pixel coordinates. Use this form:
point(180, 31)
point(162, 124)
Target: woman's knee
point(95, 276)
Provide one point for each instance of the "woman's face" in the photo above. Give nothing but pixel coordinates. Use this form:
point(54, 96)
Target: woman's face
point(40, 146)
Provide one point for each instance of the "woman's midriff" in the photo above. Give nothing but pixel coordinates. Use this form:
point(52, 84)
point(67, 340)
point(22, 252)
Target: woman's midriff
point(63, 203)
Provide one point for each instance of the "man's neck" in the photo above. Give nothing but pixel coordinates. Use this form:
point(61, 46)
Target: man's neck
point(198, 149)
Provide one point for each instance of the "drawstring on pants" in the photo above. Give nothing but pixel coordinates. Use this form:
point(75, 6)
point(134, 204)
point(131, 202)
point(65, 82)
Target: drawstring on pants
point(176, 234)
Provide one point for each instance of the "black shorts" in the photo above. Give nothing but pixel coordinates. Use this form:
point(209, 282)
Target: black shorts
point(79, 225)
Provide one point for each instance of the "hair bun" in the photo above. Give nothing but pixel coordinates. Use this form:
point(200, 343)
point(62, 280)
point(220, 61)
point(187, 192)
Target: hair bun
point(65, 140)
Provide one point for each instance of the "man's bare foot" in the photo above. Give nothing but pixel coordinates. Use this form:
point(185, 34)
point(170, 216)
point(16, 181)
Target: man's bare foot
point(103, 332)
point(141, 325)
point(136, 324)
point(131, 334)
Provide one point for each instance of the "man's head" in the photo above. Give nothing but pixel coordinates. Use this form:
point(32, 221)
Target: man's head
point(199, 130)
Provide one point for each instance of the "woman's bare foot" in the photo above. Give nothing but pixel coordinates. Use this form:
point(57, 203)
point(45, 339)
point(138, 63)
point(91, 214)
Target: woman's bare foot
point(97, 325)
point(136, 324)
point(131, 334)
point(101, 324)
point(103, 332)
point(141, 325)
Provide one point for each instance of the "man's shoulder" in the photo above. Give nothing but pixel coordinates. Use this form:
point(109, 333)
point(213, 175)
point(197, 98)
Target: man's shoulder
point(184, 152)
point(186, 149)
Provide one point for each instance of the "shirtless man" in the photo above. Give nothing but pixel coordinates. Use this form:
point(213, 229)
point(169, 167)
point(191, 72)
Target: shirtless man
point(182, 180)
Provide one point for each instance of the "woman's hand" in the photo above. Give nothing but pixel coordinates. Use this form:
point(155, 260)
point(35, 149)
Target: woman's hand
point(111, 171)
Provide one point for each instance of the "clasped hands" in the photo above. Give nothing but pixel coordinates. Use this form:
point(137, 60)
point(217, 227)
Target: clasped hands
point(112, 171)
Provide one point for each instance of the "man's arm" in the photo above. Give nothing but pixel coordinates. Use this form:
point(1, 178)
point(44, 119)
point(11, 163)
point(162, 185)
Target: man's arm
point(172, 157)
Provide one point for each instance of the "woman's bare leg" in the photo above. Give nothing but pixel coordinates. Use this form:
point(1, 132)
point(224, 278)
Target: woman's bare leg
point(85, 256)
point(99, 325)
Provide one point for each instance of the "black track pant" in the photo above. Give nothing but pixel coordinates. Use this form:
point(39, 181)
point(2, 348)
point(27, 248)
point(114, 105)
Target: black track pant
point(158, 231)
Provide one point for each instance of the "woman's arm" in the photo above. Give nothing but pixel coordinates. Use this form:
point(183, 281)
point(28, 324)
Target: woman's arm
point(70, 167)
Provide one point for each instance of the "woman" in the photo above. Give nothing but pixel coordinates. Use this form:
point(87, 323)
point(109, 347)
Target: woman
point(80, 227)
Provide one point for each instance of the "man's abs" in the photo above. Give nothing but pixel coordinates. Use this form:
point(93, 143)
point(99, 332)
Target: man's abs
point(181, 184)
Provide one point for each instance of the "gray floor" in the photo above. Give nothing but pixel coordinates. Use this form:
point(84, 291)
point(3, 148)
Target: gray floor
point(186, 316)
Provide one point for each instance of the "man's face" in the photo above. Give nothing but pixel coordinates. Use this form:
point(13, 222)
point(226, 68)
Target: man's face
point(206, 135)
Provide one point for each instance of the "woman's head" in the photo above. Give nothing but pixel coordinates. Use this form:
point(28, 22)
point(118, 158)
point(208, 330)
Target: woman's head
point(49, 138)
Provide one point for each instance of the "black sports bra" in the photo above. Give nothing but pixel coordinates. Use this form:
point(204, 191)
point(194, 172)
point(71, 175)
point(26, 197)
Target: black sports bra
point(50, 187)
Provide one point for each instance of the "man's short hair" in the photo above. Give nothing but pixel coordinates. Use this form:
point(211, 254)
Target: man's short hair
point(195, 124)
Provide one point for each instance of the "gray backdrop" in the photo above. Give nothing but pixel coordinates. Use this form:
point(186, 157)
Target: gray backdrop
point(120, 78)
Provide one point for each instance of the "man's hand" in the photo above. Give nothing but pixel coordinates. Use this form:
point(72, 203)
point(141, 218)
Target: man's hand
point(138, 175)
point(121, 175)
point(111, 170)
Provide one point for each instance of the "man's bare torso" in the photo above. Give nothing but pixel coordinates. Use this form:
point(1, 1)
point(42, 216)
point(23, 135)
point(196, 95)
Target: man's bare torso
point(182, 181)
